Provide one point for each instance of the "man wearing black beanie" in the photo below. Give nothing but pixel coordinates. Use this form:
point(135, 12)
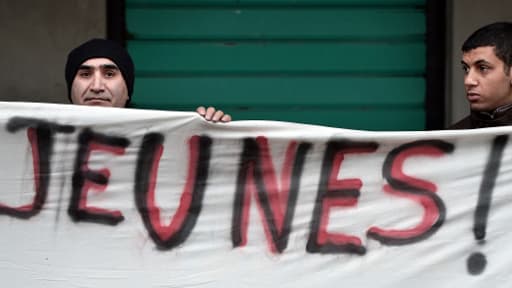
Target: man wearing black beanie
point(100, 72)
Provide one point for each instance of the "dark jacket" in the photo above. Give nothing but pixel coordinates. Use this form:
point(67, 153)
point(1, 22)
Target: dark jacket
point(500, 117)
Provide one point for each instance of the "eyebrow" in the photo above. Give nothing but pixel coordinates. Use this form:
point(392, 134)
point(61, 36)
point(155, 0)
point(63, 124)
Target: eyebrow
point(478, 62)
point(109, 66)
point(103, 66)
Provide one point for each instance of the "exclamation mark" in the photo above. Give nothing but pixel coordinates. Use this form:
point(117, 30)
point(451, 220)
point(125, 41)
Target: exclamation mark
point(477, 261)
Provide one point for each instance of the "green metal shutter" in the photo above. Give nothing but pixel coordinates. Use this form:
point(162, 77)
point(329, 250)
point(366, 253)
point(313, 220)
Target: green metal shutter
point(342, 63)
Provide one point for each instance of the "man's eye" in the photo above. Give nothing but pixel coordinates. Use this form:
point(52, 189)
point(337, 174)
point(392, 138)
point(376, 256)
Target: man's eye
point(84, 73)
point(110, 74)
point(483, 68)
point(465, 69)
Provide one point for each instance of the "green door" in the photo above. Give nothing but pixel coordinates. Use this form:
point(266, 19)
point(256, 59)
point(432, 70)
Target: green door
point(341, 63)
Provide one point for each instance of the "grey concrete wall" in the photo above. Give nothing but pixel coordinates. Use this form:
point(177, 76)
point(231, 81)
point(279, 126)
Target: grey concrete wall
point(467, 16)
point(36, 37)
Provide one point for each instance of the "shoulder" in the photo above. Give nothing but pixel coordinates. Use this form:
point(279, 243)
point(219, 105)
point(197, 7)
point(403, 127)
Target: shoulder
point(465, 123)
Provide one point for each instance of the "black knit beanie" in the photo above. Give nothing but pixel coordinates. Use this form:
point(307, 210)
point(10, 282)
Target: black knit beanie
point(100, 48)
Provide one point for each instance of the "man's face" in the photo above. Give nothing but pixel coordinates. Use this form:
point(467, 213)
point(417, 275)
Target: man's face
point(488, 85)
point(99, 82)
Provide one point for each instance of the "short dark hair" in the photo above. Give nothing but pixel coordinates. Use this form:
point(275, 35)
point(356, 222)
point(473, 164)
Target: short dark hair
point(497, 35)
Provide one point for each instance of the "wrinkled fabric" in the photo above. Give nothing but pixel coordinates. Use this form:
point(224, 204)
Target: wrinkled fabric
point(110, 197)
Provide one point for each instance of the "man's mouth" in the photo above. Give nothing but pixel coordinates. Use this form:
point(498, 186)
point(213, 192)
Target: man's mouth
point(472, 96)
point(96, 101)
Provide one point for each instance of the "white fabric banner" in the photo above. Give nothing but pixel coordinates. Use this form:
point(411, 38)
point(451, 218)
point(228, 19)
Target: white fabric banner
point(105, 197)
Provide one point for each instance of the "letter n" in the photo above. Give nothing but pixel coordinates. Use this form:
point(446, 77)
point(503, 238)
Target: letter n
point(256, 176)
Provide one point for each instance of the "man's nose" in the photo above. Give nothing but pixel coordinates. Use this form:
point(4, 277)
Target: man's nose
point(470, 79)
point(97, 84)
